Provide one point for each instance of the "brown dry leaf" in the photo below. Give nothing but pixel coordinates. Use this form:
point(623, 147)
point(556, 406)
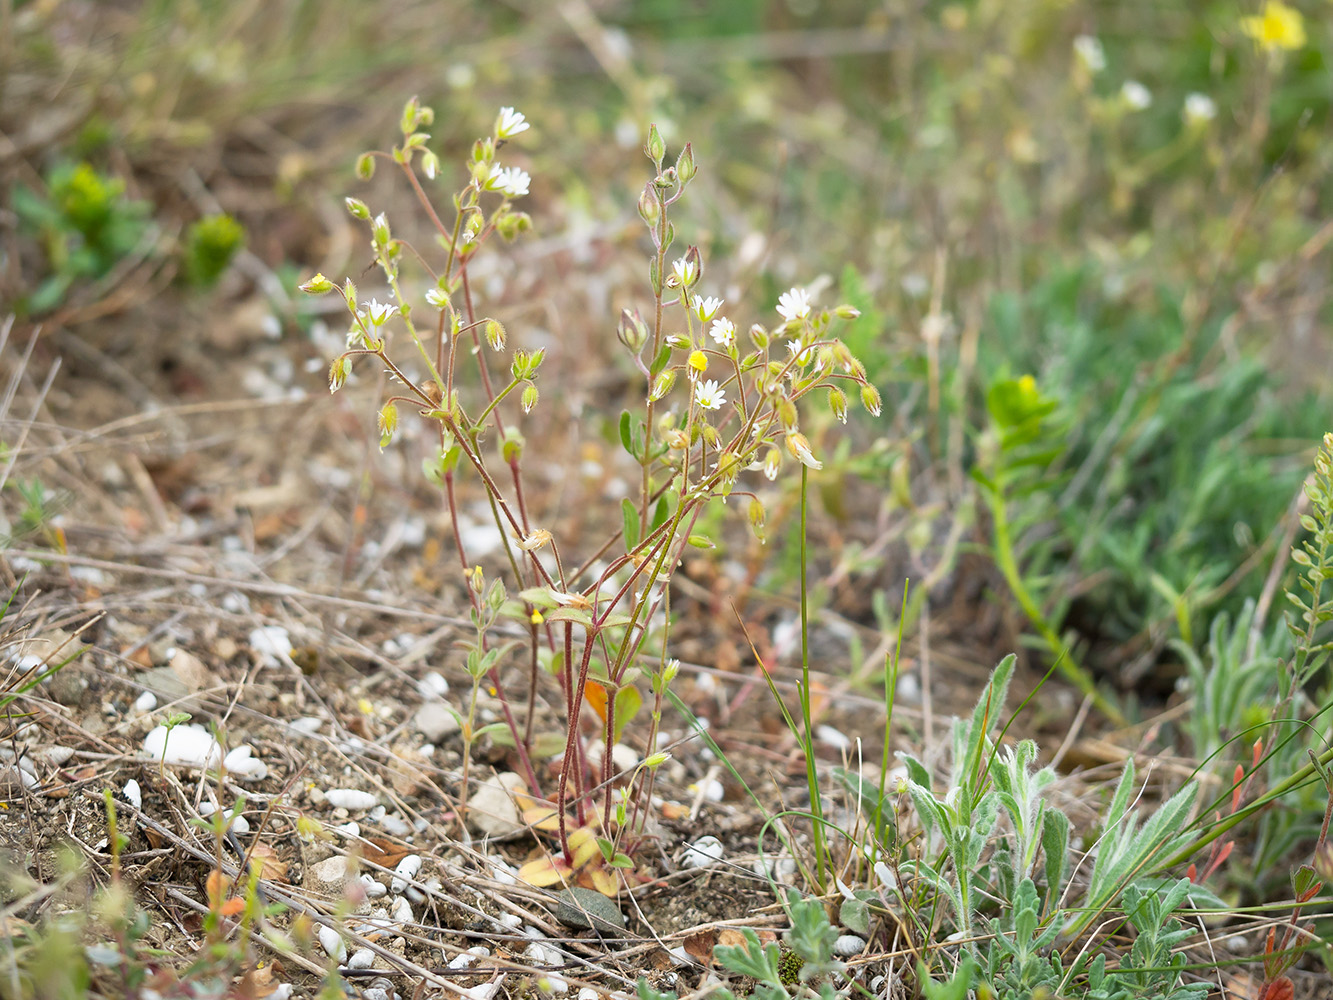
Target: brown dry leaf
point(384, 852)
point(674, 810)
point(700, 946)
point(141, 657)
point(260, 981)
point(545, 871)
point(730, 937)
point(270, 865)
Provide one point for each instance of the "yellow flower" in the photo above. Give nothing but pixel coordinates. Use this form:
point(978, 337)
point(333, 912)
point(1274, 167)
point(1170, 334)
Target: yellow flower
point(698, 360)
point(1277, 27)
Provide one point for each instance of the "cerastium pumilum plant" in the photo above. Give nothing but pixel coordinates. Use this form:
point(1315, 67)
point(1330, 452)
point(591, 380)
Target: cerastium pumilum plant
point(717, 406)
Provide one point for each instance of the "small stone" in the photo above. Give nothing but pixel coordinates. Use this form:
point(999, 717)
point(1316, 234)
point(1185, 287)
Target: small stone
point(586, 908)
point(332, 943)
point(435, 721)
point(329, 877)
point(703, 852)
point(491, 810)
point(362, 958)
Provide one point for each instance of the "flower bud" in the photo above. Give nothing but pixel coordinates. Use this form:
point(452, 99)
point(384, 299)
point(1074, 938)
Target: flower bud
point(356, 208)
point(495, 334)
point(317, 285)
point(665, 380)
point(632, 331)
point(430, 164)
point(365, 166)
point(512, 445)
point(772, 463)
point(338, 372)
point(698, 361)
point(388, 422)
point(685, 168)
point(650, 209)
point(654, 148)
point(349, 293)
point(786, 412)
point(728, 466)
point(870, 399)
point(846, 311)
point(799, 446)
point(529, 397)
point(759, 336)
point(381, 230)
point(757, 518)
point(837, 401)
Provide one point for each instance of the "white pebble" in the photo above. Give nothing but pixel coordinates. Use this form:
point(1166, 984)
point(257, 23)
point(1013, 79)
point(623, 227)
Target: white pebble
point(145, 703)
point(848, 944)
point(132, 794)
point(272, 643)
point(242, 764)
point(362, 958)
point(588, 993)
point(352, 799)
point(187, 745)
point(332, 943)
point(56, 754)
point(469, 958)
point(394, 826)
point(239, 825)
point(401, 913)
point(374, 889)
point(511, 920)
point(703, 852)
point(831, 737)
point(350, 829)
point(432, 686)
point(307, 724)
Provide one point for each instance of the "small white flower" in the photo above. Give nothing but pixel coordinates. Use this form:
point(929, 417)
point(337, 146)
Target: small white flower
point(802, 355)
point(1136, 95)
point(705, 308)
point(723, 331)
point(683, 272)
point(794, 304)
point(709, 395)
point(1199, 108)
point(1090, 52)
point(509, 123)
point(378, 312)
point(437, 298)
point(513, 182)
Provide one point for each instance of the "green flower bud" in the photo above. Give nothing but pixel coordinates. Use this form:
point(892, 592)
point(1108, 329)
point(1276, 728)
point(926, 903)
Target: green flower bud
point(665, 380)
point(365, 166)
point(338, 372)
point(846, 311)
point(870, 399)
point(654, 148)
point(759, 337)
point(685, 168)
point(388, 422)
point(511, 449)
point(356, 208)
point(837, 401)
point(495, 334)
point(650, 209)
point(529, 397)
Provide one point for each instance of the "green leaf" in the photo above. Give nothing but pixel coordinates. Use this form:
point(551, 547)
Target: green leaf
point(629, 515)
point(626, 440)
point(628, 703)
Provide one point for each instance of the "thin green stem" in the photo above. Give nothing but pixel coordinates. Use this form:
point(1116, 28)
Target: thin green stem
point(811, 777)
